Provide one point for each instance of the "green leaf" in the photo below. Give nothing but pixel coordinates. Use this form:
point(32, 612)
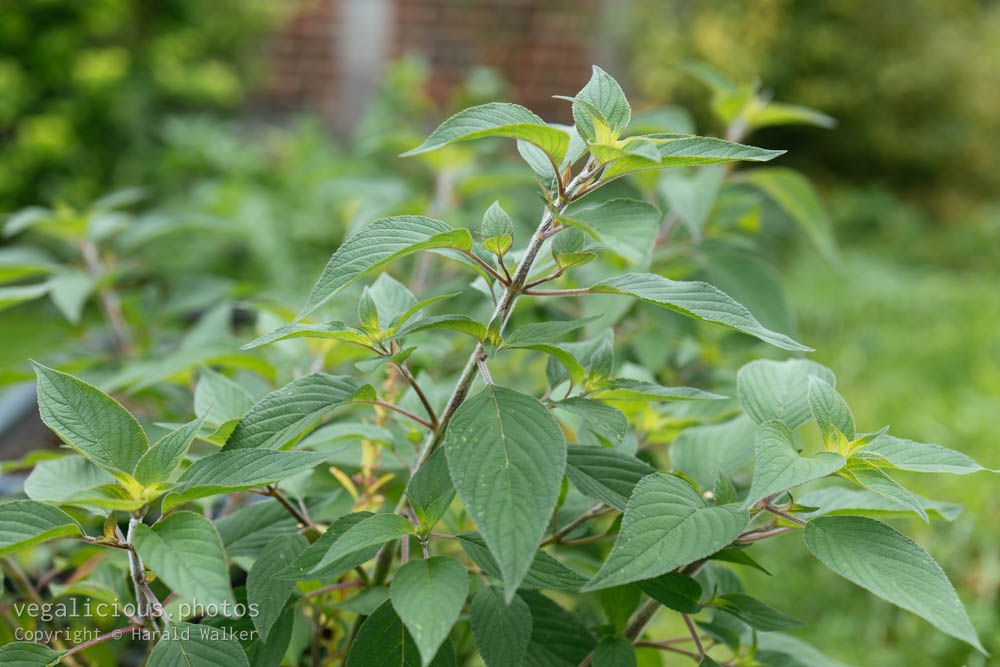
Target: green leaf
point(28, 654)
point(305, 565)
point(739, 556)
point(608, 150)
point(779, 389)
point(604, 419)
point(25, 523)
point(219, 399)
point(605, 474)
point(60, 479)
point(501, 631)
point(545, 571)
point(281, 416)
point(325, 436)
point(877, 481)
point(461, 323)
point(247, 531)
point(366, 601)
point(666, 524)
point(545, 332)
point(830, 411)
point(778, 649)
point(12, 296)
point(779, 113)
point(691, 197)
point(89, 421)
point(695, 299)
point(893, 567)
point(377, 244)
point(372, 363)
point(497, 222)
point(561, 353)
point(164, 457)
point(18, 262)
point(325, 330)
point(428, 596)
point(383, 641)
point(758, 615)
point(558, 638)
point(267, 591)
point(185, 551)
point(837, 500)
point(603, 94)
point(704, 452)
point(679, 150)
point(414, 311)
point(674, 590)
point(69, 291)
point(370, 531)
point(392, 298)
point(618, 603)
point(238, 470)
point(190, 645)
point(108, 496)
point(367, 312)
point(625, 389)
point(567, 242)
point(794, 194)
point(506, 454)
point(497, 119)
point(430, 490)
point(918, 456)
point(625, 226)
point(614, 652)
point(779, 467)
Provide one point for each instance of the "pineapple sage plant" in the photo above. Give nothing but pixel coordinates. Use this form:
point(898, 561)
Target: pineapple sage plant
point(501, 515)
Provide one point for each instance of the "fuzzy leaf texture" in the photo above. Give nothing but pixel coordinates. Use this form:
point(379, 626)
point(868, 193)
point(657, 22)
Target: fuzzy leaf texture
point(892, 566)
point(695, 299)
point(377, 244)
point(497, 119)
point(89, 421)
point(666, 524)
point(506, 455)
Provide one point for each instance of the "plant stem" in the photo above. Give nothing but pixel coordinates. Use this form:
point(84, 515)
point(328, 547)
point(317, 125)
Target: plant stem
point(595, 511)
point(668, 646)
point(753, 536)
point(588, 540)
point(484, 371)
point(137, 570)
point(114, 634)
point(486, 267)
point(784, 515)
point(502, 313)
point(694, 635)
point(412, 381)
point(273, 491)
point(24, 583)
point(110, 303)
point(558, 292)
point(335, 587)
point(405, 413)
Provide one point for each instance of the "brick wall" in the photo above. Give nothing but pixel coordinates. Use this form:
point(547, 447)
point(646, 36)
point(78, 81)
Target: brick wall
point(540, 46)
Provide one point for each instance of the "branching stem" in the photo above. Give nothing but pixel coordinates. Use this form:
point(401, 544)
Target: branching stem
point(412, 381)
point(299, 515)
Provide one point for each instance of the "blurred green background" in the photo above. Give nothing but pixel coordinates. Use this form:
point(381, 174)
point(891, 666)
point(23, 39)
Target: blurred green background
point(256, 158)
